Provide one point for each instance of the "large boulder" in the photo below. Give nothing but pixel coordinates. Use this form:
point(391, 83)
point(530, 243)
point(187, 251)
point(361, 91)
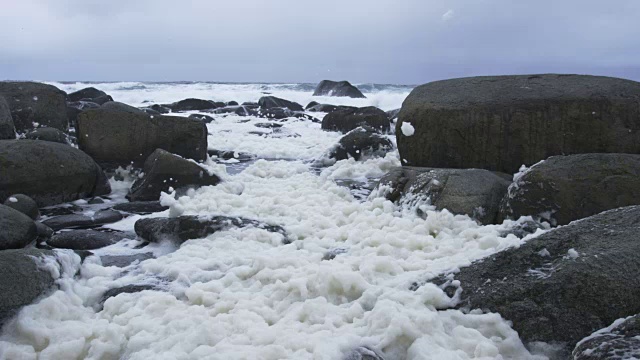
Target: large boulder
point(76, 107)
point(620, 340)
point(164, 170)
point(566, 188)
point(48, 172)
point(86, 94)
point(345, 120)
point(121, 137)
point(562, 285)
point(48, 134)
point(7, 129)
point(268, 102)
point(183, 228)
point(118, 106)
point(24, 204)
point(502, 122)
point(18, 230)
point(360, 142)
point(337, 88)
point(193, 104)
point(473, 192)
point(34, 103)
point(21, 280)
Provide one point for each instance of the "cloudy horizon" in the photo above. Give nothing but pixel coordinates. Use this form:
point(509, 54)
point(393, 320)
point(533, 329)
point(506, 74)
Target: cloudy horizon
point(399, 42)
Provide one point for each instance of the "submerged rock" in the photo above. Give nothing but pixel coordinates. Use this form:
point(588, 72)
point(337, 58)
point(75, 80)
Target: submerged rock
point(183, 228)
point(206, 118)
point(79, 221)
point(362, 141)
point(127, 289)
point(363, 353)
point(228, 154)
point(501, 122)
point(17, 229)
point(7, 129)
point(48, 172)
point(48, 134)
point(33, 104)
point(337, 88)
point(141, 207)
point(268, 102)
point(24, 204)
point(563, 284)
point(124, 260)
point(620, 340)
point(473, 192)
point(84, 239)
point(566, 188)
point(346, 120)
point(164, 170)
point(121, 138)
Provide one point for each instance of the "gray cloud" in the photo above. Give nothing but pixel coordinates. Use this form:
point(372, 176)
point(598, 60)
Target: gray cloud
point(383, 41)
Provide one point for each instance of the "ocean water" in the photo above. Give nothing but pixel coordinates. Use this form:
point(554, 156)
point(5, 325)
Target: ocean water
point(242, 293)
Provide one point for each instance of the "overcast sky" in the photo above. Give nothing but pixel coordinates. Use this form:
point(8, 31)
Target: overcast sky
point(380, 41)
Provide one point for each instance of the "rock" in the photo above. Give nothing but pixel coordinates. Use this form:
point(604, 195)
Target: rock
point(250, 103)
point(127, 289)
point(32, 102)
point(124, 260)
point(87, 94)
point(566, 188)
point(267, 125)
point(84, 239)
point(502, 122)
point(393, 114)
point(48, 172)
point(79, 221)
point(18, 230)
point(48, 134)
point(346, 120)
point(311, 104)
point(332, 253)
point(330, 108)
point(24, 204)
point(620, 340)
point(228, 154)
point(44, 232)
point(337, 88)
point(361, 141)
point(206, 118)
point(75, 108)
point(183, 228)
point(95, 200)
point(163, 170)
point(121, 138)
point(363, 353)
point(7, 129)
point(473, 192)
point(232, 103)
point(118, 106)
point(150, 112)
point(193, 104)
point(268, 102)
point(141, 207)
point(22, 281)
point(563, 284)
point(101, 100)
point(159, 108)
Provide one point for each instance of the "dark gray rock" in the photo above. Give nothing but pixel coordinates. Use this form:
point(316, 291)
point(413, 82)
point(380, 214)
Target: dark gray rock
point(362, 141)
point(101, 100)
point(193, 104)
point(48, 172)
point(473, 192)
point(24, 204)
point(21, 280)
point(267, 125)
point(150, 112)
point(346, 120)
point(18, 230)
point(363, 353)
point(79, 221)
point(124, 260)
point(84, 239)
point(393, 114)
point(118, 106)
point(330, 108)
point(280, 114)
point(76, 107)
point(48, 134)
point(44, 232)
point(268, 102)
point(501, 122)
point(32, 102)
point(7, 129)
point(86, 93)
point(127, 289)
point(141, 207)
point(337, 88)
point(163, 170)
point(564, 284)
point(228, 154)
point(311, 104)
point(566, 188)
point(332, 253)
point(159, 108)
point(620, 340)
point(121, 138)
point(202, 117)
point(183, 228)
point(232, 103)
